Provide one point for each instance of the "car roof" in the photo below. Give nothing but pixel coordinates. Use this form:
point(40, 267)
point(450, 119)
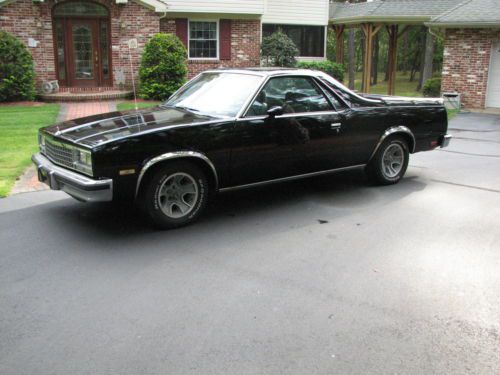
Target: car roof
point(266, 71)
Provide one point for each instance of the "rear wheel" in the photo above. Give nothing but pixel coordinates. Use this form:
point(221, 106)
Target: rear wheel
point(175, 195)
point(390, 162)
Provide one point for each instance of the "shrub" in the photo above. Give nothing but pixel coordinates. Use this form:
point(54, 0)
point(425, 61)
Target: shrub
point(163, 67)
point(432, 87)
point(329, 67)
point(17, 75)
point(279, 50)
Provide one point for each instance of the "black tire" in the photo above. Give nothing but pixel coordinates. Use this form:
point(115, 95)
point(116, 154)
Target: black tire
point(162, 203)
point(387, 173)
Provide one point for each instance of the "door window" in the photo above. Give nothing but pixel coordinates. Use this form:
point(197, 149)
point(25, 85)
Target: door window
point(294, 94)
point(83, 54)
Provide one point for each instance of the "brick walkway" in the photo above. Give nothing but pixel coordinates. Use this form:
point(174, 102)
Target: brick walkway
point(29, 180)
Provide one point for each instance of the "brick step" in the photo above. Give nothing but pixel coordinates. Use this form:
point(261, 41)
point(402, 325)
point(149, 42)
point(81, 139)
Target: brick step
point(66, 96)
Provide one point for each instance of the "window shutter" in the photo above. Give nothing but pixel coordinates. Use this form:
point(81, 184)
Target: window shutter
point(225, 40)
point(181, 30)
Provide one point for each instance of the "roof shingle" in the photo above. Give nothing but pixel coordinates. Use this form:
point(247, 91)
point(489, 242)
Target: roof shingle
point(435, 12)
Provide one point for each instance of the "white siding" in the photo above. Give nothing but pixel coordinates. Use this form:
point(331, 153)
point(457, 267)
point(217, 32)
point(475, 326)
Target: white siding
point(216, 6)
point(298, 12)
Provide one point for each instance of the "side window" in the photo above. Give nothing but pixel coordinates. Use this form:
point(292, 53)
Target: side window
point(294, 94)
point(333, 97)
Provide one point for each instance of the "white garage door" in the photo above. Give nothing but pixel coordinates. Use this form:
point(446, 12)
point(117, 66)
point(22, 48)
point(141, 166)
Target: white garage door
point(493, 93)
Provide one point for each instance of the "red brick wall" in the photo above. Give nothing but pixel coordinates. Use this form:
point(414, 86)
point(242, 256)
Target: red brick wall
point(245, 46)
point(131, 21)
point(26, 20)
point(466, 62)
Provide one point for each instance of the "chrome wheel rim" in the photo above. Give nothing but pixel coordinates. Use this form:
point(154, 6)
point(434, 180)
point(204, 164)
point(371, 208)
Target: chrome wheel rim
point(392, 160)
point(178, 195)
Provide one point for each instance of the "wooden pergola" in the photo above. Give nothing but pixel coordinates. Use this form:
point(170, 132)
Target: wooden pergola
point(369, 31)
point(394, 15)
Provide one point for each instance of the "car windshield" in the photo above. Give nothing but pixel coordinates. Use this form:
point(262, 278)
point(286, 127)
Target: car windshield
point(216, 94)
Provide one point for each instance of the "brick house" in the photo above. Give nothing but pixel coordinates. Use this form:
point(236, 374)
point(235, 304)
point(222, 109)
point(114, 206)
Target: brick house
point(84, 43)
point(471, 61)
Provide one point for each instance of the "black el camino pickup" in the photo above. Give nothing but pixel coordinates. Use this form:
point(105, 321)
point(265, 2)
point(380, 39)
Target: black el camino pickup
point(230, 129)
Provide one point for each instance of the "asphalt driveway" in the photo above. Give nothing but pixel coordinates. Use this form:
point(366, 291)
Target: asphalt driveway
point(321, 276)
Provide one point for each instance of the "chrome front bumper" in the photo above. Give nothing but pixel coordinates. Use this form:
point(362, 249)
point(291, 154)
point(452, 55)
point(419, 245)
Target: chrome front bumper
point(78, 186)
point(445, 141)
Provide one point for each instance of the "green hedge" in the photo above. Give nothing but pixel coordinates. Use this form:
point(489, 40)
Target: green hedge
point(334, 69)
point(17, 75)
point(163, 67)
point(432, 87)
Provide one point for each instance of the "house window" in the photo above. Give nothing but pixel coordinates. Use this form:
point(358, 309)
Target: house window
point(310, 40)
point(203, 40)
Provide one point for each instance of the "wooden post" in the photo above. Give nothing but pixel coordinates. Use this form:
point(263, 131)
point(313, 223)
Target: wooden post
point(339, 45)
point(392, 30)
point(370, 30)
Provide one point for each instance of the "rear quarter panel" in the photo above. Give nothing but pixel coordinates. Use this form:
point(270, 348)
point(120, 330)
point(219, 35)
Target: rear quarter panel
point(366, 125)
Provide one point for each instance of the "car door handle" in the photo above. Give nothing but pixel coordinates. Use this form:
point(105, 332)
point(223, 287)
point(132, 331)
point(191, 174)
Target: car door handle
point(336, 126)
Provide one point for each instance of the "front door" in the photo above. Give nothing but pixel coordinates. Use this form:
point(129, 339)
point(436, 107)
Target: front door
point(84, 53)
point(82, 44)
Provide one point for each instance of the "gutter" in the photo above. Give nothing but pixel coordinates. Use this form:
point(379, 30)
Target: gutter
point(464, 25)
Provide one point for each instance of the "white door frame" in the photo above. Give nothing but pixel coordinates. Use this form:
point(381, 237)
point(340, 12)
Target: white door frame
point(494, 58)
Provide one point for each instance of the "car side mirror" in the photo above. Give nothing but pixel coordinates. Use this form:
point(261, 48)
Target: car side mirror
point(275, 111)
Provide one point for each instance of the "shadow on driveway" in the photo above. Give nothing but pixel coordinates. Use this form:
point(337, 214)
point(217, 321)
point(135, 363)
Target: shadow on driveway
point(265, 209)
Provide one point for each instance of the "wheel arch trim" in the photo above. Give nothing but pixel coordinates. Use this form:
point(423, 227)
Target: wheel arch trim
point(176, 155)
point(395, 130)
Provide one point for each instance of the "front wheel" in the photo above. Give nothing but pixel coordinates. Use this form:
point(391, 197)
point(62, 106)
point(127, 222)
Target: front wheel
point(390, 162)
point(175, 195)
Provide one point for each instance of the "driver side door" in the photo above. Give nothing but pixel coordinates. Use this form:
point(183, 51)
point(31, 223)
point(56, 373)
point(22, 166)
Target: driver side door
point(305, 138)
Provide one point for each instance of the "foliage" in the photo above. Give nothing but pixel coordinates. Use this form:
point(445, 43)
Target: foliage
point(18, 138)
point(163, 67)
point(432, 87)
point(335, 70)
point(17, 75)
point(125, 106)
point(331, 44)
point(279, 50)
point(403, 86)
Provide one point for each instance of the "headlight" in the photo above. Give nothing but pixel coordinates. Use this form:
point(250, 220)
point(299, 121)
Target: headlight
point(82, 160)
point(41, 142)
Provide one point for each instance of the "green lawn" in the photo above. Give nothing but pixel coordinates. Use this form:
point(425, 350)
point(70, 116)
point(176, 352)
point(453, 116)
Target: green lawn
point(403, 87)
point(124, 106)
point(18, 139)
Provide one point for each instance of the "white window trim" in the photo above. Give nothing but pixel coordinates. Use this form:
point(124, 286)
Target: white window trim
point(217, 39)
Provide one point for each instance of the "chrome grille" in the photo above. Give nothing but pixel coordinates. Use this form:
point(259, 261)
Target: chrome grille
point(59, 153)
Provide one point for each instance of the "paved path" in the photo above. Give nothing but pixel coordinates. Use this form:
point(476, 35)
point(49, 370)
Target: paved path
point(29, 180)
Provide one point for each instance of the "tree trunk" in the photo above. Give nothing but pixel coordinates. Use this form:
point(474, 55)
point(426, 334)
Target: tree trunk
point(352, 59)
point(362, 40)
point(406, 44)
point(423, 37)
point(376, 48)
point(428, 57)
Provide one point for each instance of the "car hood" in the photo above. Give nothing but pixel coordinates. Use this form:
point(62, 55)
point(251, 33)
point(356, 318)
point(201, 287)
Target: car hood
point(106, 127)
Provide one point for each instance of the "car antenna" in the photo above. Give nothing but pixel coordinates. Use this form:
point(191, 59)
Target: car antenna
point(132, 44)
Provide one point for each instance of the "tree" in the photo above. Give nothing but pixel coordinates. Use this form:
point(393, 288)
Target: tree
point(163, 67)
point(279, 50)
point(17, 75)
point(428, 57)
